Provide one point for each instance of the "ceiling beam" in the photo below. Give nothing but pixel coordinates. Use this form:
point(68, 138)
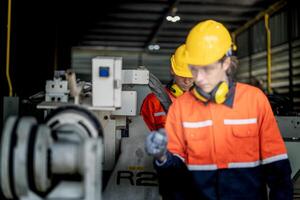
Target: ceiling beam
point(144, 6)
point(119, 31)
point(135, 16)
point(217, 7)
point(113, 43)
point(216, 16)
point(234, 3)
point(115, 37)
point(126, 24)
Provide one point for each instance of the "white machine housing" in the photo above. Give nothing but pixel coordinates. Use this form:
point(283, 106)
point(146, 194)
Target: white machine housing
point(106, 82)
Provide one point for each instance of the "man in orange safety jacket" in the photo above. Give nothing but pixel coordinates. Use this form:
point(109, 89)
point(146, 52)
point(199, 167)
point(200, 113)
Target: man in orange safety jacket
point(223, 131)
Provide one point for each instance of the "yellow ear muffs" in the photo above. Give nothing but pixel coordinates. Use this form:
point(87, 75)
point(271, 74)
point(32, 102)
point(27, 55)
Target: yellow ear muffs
point(175, 90)
point(217, 95)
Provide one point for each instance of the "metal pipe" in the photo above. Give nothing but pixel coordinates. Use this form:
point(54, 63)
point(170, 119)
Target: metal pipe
point(266, 13)
point(250, 57)
point(269, 61)
point(8, 48)
point(273, 8)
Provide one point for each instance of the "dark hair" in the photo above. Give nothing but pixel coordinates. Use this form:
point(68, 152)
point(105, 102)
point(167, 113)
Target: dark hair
point(234, 63)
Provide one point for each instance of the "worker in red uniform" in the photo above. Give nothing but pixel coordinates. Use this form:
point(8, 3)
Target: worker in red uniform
point(154, 116)
point(223, 131)
point(152, 111)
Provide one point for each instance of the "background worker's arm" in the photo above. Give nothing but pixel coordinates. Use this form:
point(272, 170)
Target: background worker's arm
point(276, 165)
point(152, 112)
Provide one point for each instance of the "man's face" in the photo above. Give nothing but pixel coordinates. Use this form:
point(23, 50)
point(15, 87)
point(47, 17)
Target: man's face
point(184, 83)
point(207, 77)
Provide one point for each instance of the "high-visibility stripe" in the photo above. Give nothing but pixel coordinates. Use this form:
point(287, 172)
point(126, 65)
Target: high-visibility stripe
point(240, 164)
point(181, 158)
point(159, 114)
point(274, 158)
point(243, 164)
point(202, 167)
point(197, 124)
point(240, 121)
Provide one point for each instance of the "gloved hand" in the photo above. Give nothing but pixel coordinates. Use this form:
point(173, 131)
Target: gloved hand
point(156, 144)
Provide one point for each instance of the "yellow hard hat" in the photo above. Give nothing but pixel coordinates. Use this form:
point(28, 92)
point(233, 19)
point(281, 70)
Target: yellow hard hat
point(206, 43)
point(179, 67)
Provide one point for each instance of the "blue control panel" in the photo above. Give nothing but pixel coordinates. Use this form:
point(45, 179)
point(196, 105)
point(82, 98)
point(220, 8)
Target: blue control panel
point(103, 71)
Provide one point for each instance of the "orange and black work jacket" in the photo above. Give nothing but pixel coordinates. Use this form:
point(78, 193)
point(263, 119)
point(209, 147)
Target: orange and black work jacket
point(153, 113)
point(233, 150)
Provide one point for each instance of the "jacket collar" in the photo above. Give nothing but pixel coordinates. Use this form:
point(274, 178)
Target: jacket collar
point(230, 96)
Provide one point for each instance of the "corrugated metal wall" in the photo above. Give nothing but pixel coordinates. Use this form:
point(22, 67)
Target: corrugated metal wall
point(285, 41)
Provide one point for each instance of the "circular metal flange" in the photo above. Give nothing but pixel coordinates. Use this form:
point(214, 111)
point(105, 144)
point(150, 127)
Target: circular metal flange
point(6, 156)
point(42, 178)
point(20, 158)
point(75, 119)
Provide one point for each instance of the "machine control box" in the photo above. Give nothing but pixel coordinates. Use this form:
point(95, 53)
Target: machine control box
point(106, 82)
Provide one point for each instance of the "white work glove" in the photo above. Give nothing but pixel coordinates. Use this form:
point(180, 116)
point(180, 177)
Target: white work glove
point(156, 144)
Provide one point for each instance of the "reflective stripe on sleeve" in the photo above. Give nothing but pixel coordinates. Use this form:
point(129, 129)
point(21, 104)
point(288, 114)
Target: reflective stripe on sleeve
point(202, 167)
point(159, 114)
point(243, 164)
point(274, 158)
point(197, 124)
point(240, 121)
point(181, 158)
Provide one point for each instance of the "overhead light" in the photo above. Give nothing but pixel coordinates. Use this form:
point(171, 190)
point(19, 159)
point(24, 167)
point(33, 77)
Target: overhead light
point(153, 47)
point(173, 17)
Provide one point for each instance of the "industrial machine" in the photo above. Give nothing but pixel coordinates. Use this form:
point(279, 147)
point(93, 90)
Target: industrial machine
point(55, 160)
point(290, 130)
point(106, 100)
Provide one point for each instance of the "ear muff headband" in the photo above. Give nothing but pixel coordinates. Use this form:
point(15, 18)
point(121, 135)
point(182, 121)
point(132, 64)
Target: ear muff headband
point(203, 96)
point(198, 95)
point(175, 90)
point(218, 94)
